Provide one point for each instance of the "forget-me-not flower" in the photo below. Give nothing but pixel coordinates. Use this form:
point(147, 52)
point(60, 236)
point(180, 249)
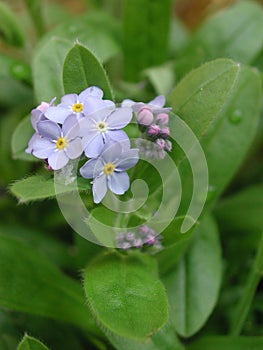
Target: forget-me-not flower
point(109, 169)
point(103, 126)
point(87, 102)
point(57, 144)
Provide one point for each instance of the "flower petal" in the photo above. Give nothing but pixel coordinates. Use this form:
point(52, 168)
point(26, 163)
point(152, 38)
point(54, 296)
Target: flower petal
point(128, 159)
point(119, 118)
point(158, 102)
point(31, 142)
point(127, 103)
point(119, 136)
point(92, 168)
point(94, 104)
point(58, 160)
point(118, 182)
point(70, 127)
point(111, 151)
point(86, 126)
point(68, 100)
point(43, 148)
point(49, 129)
point(91, 91)
point(99, 188)
point(94, 146)
point(74, 148)
point(58, 114)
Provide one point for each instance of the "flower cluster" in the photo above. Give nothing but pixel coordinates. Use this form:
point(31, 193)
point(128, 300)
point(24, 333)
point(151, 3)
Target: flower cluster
point(88, 125)
point(143, 237)
point(153, 120)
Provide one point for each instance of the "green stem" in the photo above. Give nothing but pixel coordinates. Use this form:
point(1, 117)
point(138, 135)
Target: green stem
point(253, 280)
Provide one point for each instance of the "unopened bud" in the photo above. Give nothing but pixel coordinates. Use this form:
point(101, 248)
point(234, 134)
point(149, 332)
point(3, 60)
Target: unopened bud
point(145, 116)
point(162, 119)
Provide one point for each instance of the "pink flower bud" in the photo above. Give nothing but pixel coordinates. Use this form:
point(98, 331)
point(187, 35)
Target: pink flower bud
point(154, 130)
point(165, 132)
point(43, 106)
point(168, 145)
point(161, 143)
point(145, 116)
point(162, 118)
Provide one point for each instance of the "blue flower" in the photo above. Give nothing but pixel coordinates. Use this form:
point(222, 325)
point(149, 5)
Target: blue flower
point(103, 126)
point(108, 170)
point(84, 104)
point(57, 144)
point(155, 106)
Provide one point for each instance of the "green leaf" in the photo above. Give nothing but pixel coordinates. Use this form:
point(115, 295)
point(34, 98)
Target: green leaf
point(242, 212)
point(82, 69)
point(95, 30)
point(223, 35)
point(38, 187)
point(147, 21)
point(220, 101)
point(30, 343)
point(35, 10)
point(14, 68)
point(36, 286)
point(10, 28)
point(193, 286)
point(20, 138)
point(47, 68)
point(162, 78)
point(136, 304)
point(227, 343)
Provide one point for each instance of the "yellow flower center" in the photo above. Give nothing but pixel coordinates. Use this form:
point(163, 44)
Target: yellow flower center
point(77, 107)
point(101, 126)
point(108, 168)
point(61, 143)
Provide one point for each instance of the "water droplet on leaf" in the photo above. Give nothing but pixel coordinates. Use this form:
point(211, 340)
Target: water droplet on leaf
point(236, 117)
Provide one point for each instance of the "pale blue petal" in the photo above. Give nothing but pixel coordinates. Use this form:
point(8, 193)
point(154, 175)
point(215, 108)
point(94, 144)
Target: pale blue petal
point(127, 103)
point(99, 188)
point(92, 168)
point(49, 130)
point(87, 125)
point(58, 114)
point(31, 142)
point(90, 136)
point(119, 136)
point(43, 148)
point(74, 148)
point(93, 104)
point(71, 128)
point(127, 160)
point(158, 102)
point(119, 118)
point(94, 146)
point(36, 115)
point(68, 100)
point(91, 91)
point(111, 151)
point(137, 106)
point(118, 183)
point(58, 160)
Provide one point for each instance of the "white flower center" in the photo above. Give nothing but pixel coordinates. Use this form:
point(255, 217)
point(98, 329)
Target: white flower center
point(101, 126)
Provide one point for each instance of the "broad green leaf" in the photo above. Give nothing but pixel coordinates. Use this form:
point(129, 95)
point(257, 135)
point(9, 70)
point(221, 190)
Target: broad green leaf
point(35, 10)
point(193, 286)
point(20, 138)
point(95, 30)
point(36, 286)
point(220, 101)
point(8, 335)
point(164, 339)
point(227, 343)
point(224, 35)
point(30, 343)
point(136, 305)
point(47, 68)
point(82, 69)
point(38, 187)
point(242, 212)
point(147, 21)
point(10, 28)
point(56, 251)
